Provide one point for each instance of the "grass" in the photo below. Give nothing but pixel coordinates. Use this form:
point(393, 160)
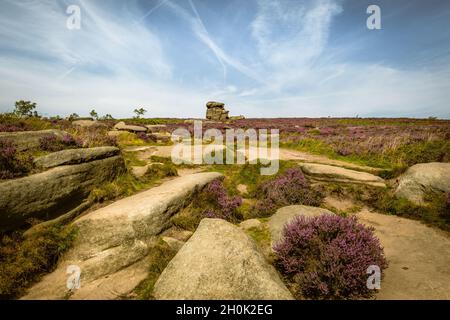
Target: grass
point(23, 261)
point(159, 257)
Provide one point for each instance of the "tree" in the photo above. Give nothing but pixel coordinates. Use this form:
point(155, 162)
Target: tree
point(107, 117)
point(140, 112)
point(94, 114)
point(24, 108)
point(73, 116)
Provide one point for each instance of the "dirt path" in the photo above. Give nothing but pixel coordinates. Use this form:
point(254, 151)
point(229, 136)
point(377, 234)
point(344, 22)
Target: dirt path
point(418, 256)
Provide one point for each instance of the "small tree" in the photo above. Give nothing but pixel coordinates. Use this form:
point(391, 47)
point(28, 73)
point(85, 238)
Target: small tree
point(94, 114)
point(73, 116)
point(139, 112)
point(107, 117)
point(25, 108)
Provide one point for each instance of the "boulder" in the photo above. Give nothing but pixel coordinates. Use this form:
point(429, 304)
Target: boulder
point(286, 214)
point(27, 140)
point(220, 261)
point(250, 224)
point(422, 178)
point(216, 111)
point(54, 192)
point(88, 124)
point(125, 127)
point(113, 242)
point(75, 156)
point(154, 128)
point(338, 174)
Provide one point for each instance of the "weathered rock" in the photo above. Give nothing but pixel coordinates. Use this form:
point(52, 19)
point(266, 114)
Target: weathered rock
point(75, 156)
point(54, 192)
point(26, 140)
point(154, 128)
point(286, 214)
point(88, 124)
point(219, 262)
point(250, 224)
point(175, 244)
point(125, 127)
point(216, 111)
point(339, 174)
point(422, 178)
point(113, 241)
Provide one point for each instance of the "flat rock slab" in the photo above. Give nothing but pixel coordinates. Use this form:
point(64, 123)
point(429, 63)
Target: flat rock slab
point(339, 174)
point(418, 256)
point(285, 215)
point(75, 156)
point(88, 124)
point(423, 177)
point(27, 140)
point(113, 241)
point(125, 127)
point(220, 261)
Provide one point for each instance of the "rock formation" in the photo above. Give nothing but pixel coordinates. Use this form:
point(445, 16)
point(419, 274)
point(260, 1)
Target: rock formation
point(27, 140)
point(422, 178)
point(216, 111)
point(56, 191)
point(220, 261)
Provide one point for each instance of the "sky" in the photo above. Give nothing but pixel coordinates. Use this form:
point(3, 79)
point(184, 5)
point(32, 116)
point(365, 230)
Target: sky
point(262, 58)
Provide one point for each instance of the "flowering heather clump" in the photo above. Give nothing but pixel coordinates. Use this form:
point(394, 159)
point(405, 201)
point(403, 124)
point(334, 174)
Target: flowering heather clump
point(95, 137)
point(11, 163)
point(327, 257)
point(54, 143)
point(220, 204)
point(146, 137)
point(286, 189)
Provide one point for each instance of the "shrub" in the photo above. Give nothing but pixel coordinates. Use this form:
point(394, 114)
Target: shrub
point(327, 257)
point(218, 203)
point(53, 143)
point(13, 164)
point(289, 188)
point(146, 137)
point(159, 171)
point(95, 137)
point(24, 260)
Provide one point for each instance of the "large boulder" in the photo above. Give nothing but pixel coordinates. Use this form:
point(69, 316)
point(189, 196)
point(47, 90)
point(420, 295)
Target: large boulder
point(75, 156)
point(113, 242)
point(285, 215)
point(89, 124)
point(27, 140)
point(422, 178)
point(338, 174)
point(216, 111)
point(220, 262)
point(125, 127)
point(54, 192)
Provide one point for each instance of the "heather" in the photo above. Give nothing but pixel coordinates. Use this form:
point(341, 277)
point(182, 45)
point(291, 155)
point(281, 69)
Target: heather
point(327, 257)
point(54, 143)
point(288, 188)
point(12, 163)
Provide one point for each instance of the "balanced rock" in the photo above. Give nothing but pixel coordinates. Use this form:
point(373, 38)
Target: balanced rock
point(216, 111)
point(219, 261)
point(422, 178)
point(28, 140)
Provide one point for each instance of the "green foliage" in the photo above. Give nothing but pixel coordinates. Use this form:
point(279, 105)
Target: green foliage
point(139, 112)
point(24, 260)
point(25, 108)
point(158, 171)
point(93, 114)
point(159, 257)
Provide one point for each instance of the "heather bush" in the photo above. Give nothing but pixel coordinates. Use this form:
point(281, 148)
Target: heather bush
point(288, 188)
point(146, 137)
point(216, 203)
point(95, 137)
point(327, 257)
point(53, 143)
point(12, 163)
point(24, 260)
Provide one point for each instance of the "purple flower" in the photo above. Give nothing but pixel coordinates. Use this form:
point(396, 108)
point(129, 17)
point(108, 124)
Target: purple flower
point(328, 256)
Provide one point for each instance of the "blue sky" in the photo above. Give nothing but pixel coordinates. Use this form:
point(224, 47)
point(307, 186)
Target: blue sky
point(263, 58)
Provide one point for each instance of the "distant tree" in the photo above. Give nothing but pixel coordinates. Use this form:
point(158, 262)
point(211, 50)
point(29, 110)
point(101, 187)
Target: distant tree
point(107, 117)
point(73, 116)
point(139, 112)
point(25, 108)
point(94, 114)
